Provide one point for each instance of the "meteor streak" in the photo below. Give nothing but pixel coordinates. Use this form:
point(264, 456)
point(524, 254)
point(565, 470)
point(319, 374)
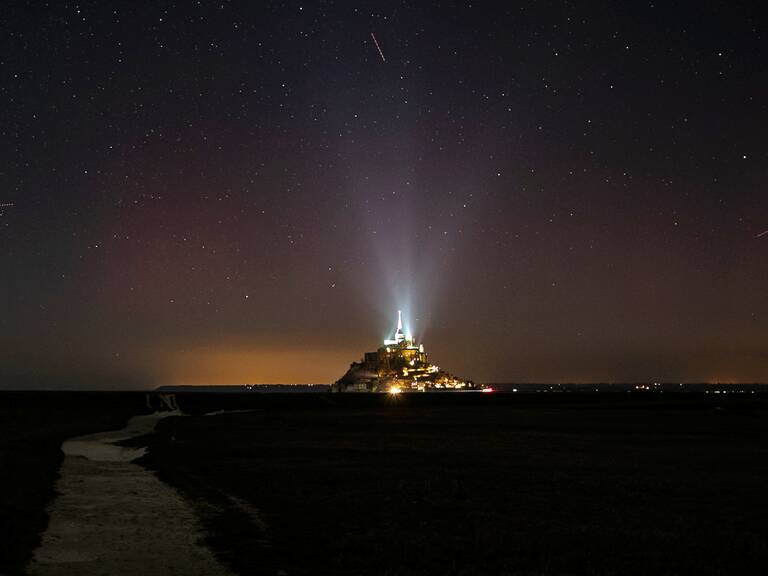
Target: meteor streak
point(763, 233)
point(376, 42)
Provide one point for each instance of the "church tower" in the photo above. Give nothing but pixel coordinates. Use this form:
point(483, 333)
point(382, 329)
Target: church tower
point(399, 336)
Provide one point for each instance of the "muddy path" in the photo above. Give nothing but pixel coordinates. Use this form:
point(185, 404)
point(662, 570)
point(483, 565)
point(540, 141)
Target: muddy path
point(112, 516)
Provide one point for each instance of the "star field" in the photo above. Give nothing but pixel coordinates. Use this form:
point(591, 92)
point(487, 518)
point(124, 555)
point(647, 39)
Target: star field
point(245, 192)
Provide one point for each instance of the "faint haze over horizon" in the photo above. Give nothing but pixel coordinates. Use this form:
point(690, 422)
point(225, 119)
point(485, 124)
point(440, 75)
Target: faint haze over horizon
point(247, 193)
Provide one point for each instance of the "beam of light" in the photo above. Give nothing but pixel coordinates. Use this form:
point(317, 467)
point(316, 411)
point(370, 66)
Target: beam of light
point(376, 42)
point(763, 233)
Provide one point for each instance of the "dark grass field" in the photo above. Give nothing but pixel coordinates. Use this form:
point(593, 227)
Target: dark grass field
point(431, 484)
point(476, 484)
point(32, 428)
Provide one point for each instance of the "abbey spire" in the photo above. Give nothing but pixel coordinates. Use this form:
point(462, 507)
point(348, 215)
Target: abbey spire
point(399, 336)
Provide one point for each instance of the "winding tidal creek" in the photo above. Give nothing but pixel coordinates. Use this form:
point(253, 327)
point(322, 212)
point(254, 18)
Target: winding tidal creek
point(111, 516)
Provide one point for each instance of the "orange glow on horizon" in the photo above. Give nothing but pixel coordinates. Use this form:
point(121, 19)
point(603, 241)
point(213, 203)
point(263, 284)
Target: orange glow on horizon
point(205, 366)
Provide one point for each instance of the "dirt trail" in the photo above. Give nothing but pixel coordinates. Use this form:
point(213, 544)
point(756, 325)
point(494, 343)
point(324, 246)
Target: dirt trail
point(114, 517)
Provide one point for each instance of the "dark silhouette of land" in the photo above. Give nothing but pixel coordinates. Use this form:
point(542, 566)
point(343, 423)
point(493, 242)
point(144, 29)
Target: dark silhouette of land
point(434, 483)
point(32, 427)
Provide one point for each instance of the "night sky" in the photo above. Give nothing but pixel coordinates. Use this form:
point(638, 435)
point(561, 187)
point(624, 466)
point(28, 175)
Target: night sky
point(216, 192)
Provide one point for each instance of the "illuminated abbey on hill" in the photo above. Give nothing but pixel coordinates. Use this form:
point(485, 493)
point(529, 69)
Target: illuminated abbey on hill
point(398, 366)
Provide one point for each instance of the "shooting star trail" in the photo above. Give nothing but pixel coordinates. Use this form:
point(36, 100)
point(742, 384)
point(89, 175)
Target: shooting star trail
point(763, 233)
point(376, 42)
